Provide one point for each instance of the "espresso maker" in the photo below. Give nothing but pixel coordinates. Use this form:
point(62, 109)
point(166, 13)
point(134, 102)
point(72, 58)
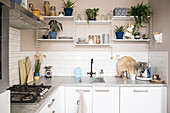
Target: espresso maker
point(142, 69)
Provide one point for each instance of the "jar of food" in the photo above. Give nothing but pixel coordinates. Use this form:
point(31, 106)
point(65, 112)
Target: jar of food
point(52, 11)
point(90, 39)
point(94, 39)
point(36, 12)
point(97, 39)
point(46, 7)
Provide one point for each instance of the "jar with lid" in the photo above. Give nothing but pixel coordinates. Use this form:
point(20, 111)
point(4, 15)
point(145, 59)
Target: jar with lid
point(52, 11)
point(90, 39)
point(97, 39)
point(94, 39)
point(46, 7)
point(36, 12)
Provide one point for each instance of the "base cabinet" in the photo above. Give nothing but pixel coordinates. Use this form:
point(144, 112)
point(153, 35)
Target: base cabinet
point(72, 99)
point(5, 102)
point(143, 100)
point(106, 100)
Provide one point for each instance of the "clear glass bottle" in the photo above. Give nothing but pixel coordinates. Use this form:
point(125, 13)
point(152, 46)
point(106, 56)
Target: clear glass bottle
point(101, 73)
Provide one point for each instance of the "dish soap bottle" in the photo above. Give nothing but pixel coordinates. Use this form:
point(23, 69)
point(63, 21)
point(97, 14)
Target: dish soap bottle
point(101, 73)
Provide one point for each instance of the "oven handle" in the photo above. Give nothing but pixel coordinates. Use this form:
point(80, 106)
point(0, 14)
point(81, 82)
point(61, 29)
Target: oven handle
point(52, 102)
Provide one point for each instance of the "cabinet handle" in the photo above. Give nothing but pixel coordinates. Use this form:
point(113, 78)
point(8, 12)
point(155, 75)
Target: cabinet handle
point(78, 102)
point(49, 105)
point(101, 90)
point(84, 90)
point(53, 111)
point(140, 91)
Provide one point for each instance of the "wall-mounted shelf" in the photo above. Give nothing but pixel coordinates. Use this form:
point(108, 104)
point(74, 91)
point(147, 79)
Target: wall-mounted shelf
point(56, 40)
point(131, 40)
point(59, 17)
point(93, 44)
point(123, 18)
point(93, 22)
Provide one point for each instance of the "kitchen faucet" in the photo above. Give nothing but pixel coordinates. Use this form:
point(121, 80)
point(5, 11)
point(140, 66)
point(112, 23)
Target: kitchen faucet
point(91, 73)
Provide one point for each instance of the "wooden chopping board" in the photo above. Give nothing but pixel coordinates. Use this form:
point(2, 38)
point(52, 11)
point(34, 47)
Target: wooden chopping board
point(22, 71)
point(126, 63)
point(29, 71)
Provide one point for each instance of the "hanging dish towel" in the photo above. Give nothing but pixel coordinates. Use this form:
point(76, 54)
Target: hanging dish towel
point(81, 104)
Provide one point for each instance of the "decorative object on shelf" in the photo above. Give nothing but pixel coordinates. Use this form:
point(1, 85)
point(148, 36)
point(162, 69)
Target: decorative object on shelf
point(119, 31)
point(46, 7)
point(38, 61)
point(24, 4)
point(79, 17)
point(97, 39)
point(61, 13)
point(129, 31)
point(137, 35)
point(141, 13)
point(48, 72)
point(53, 11)
point(94, 39)
point(31, 6)
point(81, 41)
point(144, 36)
point(68, 7)
point(36, 11)
point(108, 16)
point(65, 37)
point(157, 37)
point(55, 27)
point(45, 36)
point(120, 12)
point(103, 17)
point(105, 38)
point(18, 1)
point(91, 14)
point(90, 39)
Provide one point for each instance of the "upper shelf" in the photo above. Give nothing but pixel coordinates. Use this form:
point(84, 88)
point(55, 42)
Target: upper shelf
point(23, 19)
point(59, 17)
point(93, 22)
point(56, 40)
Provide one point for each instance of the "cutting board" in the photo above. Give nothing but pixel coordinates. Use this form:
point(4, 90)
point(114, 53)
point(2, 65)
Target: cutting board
point(29, 71)
point(22, 71)
point(126, 63)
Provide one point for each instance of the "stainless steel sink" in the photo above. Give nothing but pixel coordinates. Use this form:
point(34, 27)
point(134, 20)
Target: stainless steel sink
point(92, 80)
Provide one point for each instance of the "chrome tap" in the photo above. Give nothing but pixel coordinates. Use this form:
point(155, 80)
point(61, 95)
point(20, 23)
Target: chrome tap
point(91, 73)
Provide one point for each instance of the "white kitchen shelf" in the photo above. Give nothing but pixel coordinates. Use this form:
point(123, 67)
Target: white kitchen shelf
point(93, 22)
point(123, 18)
point(93, 44)
point(59, 17)
point(131, 40)
point(56, 40)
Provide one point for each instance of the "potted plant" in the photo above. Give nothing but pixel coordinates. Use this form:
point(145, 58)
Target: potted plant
point(141, 13)
point(119, 31)
point(38, 60)
point(68, 7)
point(55, 27)
point(91, 14)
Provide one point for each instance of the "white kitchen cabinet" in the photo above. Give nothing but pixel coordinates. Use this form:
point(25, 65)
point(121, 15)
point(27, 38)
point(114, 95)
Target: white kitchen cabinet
point(72, 98)
point(143, 100)
point(106, 100)
point(56, 103)
point(5, 102)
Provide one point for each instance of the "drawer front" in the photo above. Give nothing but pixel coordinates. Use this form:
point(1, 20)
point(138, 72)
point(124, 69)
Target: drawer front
point(142, 99)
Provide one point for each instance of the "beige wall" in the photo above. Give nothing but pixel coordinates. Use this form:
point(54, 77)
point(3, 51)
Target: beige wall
point(161, 23)
point(105, 6)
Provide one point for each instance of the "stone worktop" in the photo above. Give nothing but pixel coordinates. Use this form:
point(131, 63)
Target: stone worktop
point(74, 82)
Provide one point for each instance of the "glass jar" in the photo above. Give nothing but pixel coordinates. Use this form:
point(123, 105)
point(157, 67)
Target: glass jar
point(52, 11)
point(103, 17)
point(36, 12)
point(97, 39)
point(108, 16)
point(79, 17)
point(90, 39)
point(46, 7)
point(94, 39)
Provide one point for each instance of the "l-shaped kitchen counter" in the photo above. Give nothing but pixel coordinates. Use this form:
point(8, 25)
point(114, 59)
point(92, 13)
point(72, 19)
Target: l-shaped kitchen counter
point(55, 82)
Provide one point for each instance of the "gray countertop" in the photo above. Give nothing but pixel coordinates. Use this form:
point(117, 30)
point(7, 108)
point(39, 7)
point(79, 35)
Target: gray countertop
point(73, 82)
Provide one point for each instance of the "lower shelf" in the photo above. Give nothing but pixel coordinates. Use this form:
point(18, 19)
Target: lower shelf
point(93, 44)
point(56, 40)
point(131, 40)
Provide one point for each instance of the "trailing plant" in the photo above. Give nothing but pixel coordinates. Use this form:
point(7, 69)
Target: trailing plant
point(141, 13)
point(55, 26)
point(91, 13)
point(120, 29)
point(38, 60)
point(68, 4)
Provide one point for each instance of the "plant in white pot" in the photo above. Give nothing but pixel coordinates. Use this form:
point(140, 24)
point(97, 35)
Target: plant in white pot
point(68, 7)
point(55, 27)
point(119, 31)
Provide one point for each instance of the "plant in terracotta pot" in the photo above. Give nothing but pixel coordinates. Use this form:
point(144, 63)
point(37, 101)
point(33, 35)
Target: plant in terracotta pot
point(91, 14)
point(141, 13)
point(55, 27)
point(68, 7)
point(119, 31)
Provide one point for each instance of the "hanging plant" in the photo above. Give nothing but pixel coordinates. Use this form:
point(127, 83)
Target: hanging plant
point(141, 13)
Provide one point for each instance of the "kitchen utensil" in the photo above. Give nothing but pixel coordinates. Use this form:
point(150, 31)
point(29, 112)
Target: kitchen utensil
point(29, 71)
point(48, 72)
point(157, 81)
point(45, 36)
point(81, 39)
point(22, 71)
point(124, 73)
point(142, 69)
point(124, 63)
point(105, 38)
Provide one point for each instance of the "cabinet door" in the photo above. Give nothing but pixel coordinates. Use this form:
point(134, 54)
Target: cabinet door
point(72, 97)
point(5, 102)
point(143, 100)
point(106, 100)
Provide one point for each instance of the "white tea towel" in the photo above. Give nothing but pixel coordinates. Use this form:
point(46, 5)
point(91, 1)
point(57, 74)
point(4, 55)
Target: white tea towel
point(81, 104)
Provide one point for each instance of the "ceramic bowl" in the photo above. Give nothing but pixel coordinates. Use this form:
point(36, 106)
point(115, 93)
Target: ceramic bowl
point(81, 39)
